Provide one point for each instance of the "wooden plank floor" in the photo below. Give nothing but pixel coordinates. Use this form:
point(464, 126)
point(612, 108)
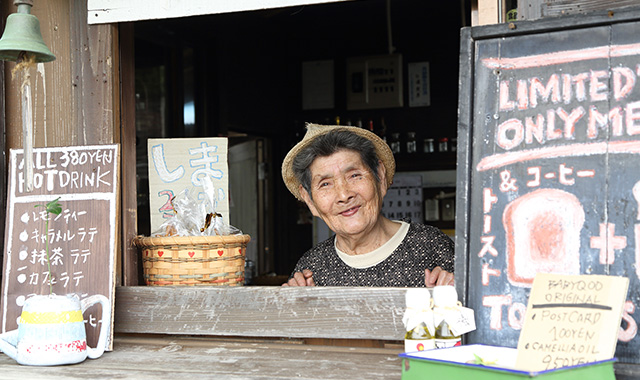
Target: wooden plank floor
point(209, 358)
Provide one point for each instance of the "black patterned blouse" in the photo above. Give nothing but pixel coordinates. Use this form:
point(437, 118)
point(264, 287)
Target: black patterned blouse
point(423, 247)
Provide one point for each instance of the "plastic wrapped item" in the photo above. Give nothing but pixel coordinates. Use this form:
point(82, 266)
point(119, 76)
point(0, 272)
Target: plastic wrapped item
point(194, 216)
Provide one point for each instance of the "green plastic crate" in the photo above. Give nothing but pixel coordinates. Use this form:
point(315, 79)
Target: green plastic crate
point(452, 363)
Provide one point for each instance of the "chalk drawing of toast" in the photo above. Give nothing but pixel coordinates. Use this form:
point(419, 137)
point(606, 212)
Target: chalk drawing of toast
point(542, 231)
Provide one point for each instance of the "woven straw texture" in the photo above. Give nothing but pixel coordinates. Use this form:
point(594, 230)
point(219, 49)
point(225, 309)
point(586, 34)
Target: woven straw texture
point(193, 260)
point(314, 130)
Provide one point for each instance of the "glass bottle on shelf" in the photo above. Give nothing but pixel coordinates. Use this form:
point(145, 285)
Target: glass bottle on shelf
point(395, 143)
point(443, 145)
point(428, 146)
point(411, 142)
point(383, 129)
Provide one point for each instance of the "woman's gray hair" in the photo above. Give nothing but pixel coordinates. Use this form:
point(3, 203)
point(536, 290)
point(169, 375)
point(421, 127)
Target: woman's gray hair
point(330, 143)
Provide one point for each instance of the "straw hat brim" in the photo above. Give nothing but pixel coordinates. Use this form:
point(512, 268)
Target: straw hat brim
point(315, 130)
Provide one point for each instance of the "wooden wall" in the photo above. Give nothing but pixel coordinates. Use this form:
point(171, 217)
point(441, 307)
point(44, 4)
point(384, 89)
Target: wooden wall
point(535, 9)
point(75, 95)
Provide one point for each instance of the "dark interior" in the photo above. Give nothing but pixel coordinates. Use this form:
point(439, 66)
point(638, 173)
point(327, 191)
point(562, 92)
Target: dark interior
point(240, 75)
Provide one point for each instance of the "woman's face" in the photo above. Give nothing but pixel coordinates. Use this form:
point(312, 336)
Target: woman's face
point(344, 193)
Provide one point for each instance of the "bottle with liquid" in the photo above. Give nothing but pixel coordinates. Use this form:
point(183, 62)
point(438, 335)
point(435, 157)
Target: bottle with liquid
point(395, 143)
point(383, 130)
point(445, 305)
point(443, 145)
point(411, 142)
point(428, 146)
point(418, 321)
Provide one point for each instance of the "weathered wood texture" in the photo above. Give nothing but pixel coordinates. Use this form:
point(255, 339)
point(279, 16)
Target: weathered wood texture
point(135, 358)
point(129, 210)
point(73, 95)
point(535, 9)
point(109, 11)
point(3, 150)
point(344, 313)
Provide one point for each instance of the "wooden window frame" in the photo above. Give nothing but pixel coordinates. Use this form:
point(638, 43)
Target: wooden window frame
point(119, 11)
point(266, 312)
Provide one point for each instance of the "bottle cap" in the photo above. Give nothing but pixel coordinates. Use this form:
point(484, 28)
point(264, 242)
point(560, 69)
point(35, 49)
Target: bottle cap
point(418, 298)
point(445, 295)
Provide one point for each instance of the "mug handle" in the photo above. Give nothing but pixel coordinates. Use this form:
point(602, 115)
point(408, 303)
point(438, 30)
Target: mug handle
point(94, 353)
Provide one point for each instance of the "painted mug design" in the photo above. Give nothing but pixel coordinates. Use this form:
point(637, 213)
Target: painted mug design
point(51, 331)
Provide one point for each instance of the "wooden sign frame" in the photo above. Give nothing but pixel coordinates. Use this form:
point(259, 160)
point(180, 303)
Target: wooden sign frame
point(82, 238)
point(534, 196)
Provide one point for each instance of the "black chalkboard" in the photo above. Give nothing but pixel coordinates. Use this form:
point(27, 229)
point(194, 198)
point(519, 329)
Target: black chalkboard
point(548, 165)
point(82, 238)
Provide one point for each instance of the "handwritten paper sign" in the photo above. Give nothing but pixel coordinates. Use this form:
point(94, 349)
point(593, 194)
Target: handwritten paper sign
point(179, 164)
point(82, 238)
point(571, 320)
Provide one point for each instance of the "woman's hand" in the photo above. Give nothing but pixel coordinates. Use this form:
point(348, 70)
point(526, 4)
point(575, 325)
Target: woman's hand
point(437, 276)
point(304, 278)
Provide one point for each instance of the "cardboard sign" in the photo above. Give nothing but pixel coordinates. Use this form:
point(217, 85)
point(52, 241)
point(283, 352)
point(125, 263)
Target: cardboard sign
point(82, 238)
point(179, 164)
point(571, 320)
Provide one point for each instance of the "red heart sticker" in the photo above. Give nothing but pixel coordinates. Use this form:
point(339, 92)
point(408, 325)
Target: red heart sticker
point(191, 254)
point(160, 253)
point(220, 252)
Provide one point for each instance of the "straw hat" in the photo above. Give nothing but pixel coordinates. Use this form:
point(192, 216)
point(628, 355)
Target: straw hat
point(314, 130)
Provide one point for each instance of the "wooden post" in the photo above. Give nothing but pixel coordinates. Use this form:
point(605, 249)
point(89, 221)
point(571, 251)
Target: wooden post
point(129, 205)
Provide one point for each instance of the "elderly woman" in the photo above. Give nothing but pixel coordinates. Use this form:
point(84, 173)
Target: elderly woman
point(342, 174)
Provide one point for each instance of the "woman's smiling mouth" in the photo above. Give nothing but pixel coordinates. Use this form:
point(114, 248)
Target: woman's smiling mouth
point(350, 211)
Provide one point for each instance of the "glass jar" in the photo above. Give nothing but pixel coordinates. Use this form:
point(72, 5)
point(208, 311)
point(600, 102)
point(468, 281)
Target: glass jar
point(411, 142)
point(443, 145)
point(395, 143)
point(428, 146)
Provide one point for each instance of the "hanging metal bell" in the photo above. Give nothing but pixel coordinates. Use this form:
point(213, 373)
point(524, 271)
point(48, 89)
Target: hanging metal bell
point(22, 33)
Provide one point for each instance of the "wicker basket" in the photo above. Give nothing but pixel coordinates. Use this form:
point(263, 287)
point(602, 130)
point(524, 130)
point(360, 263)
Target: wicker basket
point(193, 260)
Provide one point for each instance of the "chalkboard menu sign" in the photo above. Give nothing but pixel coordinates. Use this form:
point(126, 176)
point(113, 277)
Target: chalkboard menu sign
point(548, 173)
point(82, 238)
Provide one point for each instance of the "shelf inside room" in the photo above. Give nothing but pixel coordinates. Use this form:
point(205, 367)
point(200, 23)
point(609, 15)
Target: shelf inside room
point(406, 162)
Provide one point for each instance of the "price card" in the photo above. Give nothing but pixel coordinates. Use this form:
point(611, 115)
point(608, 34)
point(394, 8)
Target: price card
point(463, 322)
point(571, 320)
